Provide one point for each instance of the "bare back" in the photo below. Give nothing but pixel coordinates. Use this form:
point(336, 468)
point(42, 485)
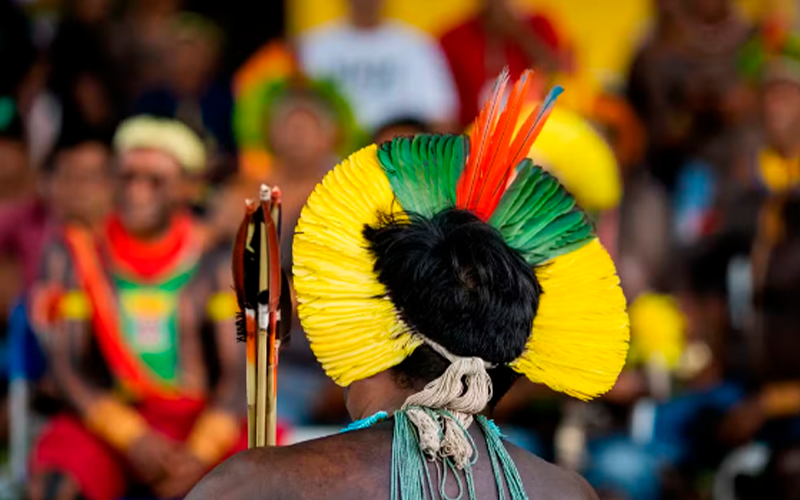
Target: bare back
point(357, 465)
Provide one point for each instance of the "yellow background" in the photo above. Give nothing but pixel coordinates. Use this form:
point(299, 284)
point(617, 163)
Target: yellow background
point(604, 33)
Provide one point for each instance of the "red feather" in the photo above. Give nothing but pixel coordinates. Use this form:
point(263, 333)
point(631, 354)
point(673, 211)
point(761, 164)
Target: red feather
point(495, 147)
point(479, 141)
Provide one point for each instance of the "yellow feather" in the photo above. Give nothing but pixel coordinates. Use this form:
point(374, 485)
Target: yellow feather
point(352, 327)
point(581, 332)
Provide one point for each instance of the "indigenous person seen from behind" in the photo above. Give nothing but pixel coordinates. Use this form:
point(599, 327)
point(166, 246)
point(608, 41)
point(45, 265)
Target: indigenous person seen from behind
point(428, 280)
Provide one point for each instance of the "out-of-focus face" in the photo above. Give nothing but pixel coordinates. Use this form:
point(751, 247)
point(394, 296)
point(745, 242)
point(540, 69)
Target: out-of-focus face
point(193, 63)
point(300, 135)
point(80, 185)
point(781, 111)
point(13, 161)
point(709, 11)
point(148, 190)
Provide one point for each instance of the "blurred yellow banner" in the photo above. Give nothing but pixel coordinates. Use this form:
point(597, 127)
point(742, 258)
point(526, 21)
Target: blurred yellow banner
point(605, 35)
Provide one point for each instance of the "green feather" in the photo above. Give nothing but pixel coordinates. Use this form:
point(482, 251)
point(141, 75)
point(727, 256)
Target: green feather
point(538, 217)
point(423, 170)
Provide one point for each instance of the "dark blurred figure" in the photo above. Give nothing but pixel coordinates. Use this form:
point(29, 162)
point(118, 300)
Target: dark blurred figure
point(771, 412)
point(403, 127)
point(254, 23)
point(686, 86)
point(73, 188)
point(16, 47)
point(84, 71)
point(770, 171)
point(499, 37)
point(145, 36)
point(191, 89)
point(778, 162)
point(17, 189)
point(386, 69)
point(16, 174)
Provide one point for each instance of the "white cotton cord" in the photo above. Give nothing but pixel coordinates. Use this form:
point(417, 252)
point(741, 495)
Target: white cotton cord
point(463, 391)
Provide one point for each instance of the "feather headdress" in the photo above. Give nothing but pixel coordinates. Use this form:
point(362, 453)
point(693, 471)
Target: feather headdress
point(579, 336)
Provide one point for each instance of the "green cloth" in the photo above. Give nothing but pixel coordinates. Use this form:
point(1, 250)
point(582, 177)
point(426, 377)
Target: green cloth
point(148, 315)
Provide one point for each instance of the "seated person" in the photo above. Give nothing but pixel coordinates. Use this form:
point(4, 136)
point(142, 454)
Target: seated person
point(126, 347)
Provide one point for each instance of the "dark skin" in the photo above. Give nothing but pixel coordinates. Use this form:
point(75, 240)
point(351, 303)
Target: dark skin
point(358, 464)
point(147, 183)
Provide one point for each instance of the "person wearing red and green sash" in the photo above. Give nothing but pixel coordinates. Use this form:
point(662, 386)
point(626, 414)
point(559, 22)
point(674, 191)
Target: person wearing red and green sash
point(125, 345)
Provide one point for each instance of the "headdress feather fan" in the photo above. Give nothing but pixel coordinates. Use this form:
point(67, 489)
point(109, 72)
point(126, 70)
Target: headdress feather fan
point(579, 335)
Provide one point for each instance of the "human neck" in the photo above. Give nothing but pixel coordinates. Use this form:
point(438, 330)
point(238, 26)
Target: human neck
point(371, 395)
point(365, 23)
point(152, 234)
point(788, 148)
point(389, 404)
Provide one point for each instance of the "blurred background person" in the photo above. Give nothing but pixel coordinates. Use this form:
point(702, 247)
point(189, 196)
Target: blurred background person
point(387, 70)
point(770, 414)
point(73, 188)
point(17, 50)
point(145, 37)
point(133, 297)
point(84, 73)
point(21, 215)
point(191, 89)
point(498, 37)
point(689, 91)
point(407, 126)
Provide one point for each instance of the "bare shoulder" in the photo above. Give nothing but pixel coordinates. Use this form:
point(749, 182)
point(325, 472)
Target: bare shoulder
point(344, 466)
point(545, 481)
point(357, 465)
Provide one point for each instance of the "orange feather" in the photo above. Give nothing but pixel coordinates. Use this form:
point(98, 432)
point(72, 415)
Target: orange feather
point(495, 148)
point(479, 141)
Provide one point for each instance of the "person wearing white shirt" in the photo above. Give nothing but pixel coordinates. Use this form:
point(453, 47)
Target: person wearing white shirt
point(387, 69)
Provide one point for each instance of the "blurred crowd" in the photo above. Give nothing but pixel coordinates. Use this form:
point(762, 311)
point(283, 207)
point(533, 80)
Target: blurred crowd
point(132, 131)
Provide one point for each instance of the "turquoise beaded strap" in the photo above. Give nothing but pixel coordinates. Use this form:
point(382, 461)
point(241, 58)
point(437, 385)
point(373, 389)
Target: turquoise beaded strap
point(365, 423)
point(411, 478)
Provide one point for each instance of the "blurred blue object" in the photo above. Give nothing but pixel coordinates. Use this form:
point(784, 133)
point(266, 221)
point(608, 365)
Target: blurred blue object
point(684, 434)
point(685, 426)
point(525, 439)
point(620, 466)
point(24, 361)
point(694, 198)
point(23, 354)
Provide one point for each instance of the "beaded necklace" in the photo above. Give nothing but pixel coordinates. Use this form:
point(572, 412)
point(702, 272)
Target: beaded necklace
point(411, 477)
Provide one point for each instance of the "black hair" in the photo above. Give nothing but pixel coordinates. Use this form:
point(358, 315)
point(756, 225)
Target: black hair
point(705, 265)
point(456, 282)
point(74, 137)
point(418, 124)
